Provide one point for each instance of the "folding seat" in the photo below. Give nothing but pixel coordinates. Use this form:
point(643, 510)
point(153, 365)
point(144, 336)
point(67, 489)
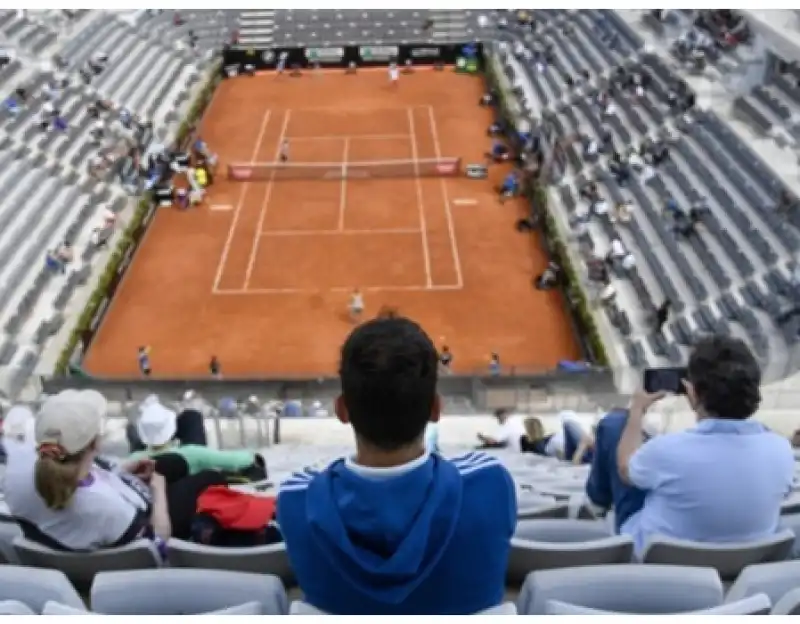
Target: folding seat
point(184, 592)
point(248, 608)
point(81, 568)
point(268, 559)
point(789, 604)
point(34, 587)
point(754, 605)
point(624, 588)
point(727, 559)
point(773, 579)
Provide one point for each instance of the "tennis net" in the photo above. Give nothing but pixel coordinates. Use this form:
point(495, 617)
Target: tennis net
point(267, 171)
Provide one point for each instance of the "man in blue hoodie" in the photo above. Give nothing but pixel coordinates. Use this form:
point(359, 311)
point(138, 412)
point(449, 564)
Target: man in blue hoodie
point(394, 530)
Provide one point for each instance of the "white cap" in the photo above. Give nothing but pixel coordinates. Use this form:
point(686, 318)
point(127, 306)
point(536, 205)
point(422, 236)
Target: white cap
point(71, 420)
point(157, 425)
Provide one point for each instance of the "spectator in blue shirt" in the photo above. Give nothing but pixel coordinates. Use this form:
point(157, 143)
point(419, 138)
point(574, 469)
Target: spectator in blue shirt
point(721, 481)
point(394, 530)
point(499, 152)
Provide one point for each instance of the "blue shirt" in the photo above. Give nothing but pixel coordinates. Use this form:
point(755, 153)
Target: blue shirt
point(510, 183)
point(431, 537)
point(721, 481)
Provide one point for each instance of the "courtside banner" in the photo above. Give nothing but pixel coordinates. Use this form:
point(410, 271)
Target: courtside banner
point(378, 53)
point(325, 56)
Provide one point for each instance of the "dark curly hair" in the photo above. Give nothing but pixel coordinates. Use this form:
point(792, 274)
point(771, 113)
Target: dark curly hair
point(726, 377)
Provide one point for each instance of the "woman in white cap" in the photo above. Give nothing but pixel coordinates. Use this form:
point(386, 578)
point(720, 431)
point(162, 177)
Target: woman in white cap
point(63, 498)
point(158, 431)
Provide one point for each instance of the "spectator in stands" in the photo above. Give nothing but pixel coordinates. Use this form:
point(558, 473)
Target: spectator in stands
point(616, 251)
point(11, 105)
point(721, 481)
point(622, 211)
point(499, 153)
point(65, 253)
point(569, 443)
point(662, 314)
point(98, 61)
point(101, 235)
point(510, 186)
point(64, 498)
point(161, 431)
point(394, 530)
point(22, 94)
point(508, 434)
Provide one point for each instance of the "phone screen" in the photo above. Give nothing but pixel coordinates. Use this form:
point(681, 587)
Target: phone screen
point(665, 380)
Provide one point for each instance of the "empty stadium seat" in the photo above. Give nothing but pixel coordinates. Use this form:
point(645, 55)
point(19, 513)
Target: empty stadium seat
point(34, 587)
point(253, 607)
point(633, 588)
point(269, 559)
point(727, 559)
point(753, 605)
point(81, 568)
point(183, 591)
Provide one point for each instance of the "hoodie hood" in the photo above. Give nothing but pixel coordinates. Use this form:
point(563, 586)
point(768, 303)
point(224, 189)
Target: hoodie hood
point(385, 530)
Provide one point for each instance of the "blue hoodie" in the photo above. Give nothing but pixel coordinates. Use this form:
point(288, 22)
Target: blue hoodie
point(431, 537)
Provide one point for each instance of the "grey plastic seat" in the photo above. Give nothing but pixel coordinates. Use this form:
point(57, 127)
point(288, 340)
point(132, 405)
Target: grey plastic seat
point(248, 608)
point(270, 559)
point(550, 546)
point(184, 592)
point(632, 588)
point(728, 559)
point(9, 531)
point(789, 604)
point(34, 587)
point(81, 568)
point(773, 579)
point(14, 607)
point(754, 605)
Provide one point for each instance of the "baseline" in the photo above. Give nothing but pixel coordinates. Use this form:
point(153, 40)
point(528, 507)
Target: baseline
point(348, 137)
point(334, 289)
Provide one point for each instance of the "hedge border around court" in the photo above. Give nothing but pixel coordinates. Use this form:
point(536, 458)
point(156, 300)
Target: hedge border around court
point(539, 197)
point(128, 241)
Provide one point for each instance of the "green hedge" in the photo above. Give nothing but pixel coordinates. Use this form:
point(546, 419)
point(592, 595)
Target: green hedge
point(128, 239)
point(538, 196)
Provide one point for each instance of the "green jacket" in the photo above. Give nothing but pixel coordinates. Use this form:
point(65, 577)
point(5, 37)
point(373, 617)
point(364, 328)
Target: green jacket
point(203, 457)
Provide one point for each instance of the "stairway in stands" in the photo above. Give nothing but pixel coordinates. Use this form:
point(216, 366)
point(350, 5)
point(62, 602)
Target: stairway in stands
point(449, 25)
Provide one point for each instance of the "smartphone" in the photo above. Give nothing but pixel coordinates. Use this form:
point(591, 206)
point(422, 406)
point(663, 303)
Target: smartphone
point(665, 380)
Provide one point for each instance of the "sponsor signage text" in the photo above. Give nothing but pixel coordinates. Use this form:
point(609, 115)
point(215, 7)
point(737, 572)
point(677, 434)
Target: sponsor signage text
point(426, 53)
point(325, 55)
point(378, 53)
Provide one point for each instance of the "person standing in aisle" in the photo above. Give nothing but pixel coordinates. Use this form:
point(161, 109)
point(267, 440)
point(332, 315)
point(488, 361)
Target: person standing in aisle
point(143, 358)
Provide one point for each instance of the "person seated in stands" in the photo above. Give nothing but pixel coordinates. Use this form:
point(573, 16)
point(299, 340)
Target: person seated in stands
point(684, 225)
point(548, 279)
point(97, 62)
point(510, 186)
point(100, 236)
point(11, 105)
point(495, 129)
point(499, 152)
point(589, 192)
point(394, 530)
point(64, 498)
point(60, 124)
point(508, 433)
point(160, 430)
point(590, 147)
point(599, 206)
point(570, 443)
point(488, 99)
point(721, 481)
point(622, 211)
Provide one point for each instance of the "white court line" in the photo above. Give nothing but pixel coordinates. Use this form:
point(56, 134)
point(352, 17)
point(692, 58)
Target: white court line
point(339, 232)
point(339, 137)
point(343, 189)
point(238, 211)
point(262, 215)
point(448, 213)
point(465, 202)
point(335, 289)
point(426, 256)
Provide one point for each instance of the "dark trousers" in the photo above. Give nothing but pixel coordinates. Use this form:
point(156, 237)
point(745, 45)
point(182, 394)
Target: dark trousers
point(191, 430)
point(604, 487)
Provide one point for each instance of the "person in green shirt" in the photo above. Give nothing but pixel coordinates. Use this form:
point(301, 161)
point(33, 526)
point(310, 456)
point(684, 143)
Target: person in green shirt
point(157, 427)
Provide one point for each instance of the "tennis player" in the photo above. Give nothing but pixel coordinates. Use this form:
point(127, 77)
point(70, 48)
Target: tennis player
point(283, 155)
point(356, 306)
point(281, 66)
point(394, 74)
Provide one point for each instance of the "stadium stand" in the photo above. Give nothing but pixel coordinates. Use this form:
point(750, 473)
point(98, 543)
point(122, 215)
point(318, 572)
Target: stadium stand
point(733, 274)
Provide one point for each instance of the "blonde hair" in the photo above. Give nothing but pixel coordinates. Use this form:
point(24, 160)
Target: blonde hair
point(534, 429)
point(56, 479)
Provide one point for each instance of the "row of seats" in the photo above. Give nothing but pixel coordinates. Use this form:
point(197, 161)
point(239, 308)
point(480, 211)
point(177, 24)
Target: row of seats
point(734, 276)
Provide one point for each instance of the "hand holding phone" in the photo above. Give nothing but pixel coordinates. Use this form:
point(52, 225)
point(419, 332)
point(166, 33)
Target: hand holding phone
point(669, 380)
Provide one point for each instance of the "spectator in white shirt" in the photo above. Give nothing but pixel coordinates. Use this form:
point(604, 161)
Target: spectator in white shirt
point(600, 207)
point(616, 251)
point(628, 261)
point(509, 433)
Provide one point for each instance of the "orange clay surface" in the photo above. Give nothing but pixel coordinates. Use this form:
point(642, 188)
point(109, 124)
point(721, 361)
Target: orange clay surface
point(260, 275)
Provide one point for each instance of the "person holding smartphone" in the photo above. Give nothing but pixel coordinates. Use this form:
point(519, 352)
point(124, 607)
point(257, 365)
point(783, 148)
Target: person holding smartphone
point(721, 481)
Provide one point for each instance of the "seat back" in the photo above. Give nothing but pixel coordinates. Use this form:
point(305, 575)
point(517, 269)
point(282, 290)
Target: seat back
point(81, 568)
point(754, 605)
point(727, 559)
point(625, 588)
point(181, 591)
point(789, 604)
point(14, 607)
point(528, 555)
point(249, 608)
point(298, 607)
point(9, 531)
point(269, 559)
point(772, 579)
point(34, 587)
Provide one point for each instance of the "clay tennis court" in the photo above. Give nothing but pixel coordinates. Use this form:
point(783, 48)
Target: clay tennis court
point(260, 275)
